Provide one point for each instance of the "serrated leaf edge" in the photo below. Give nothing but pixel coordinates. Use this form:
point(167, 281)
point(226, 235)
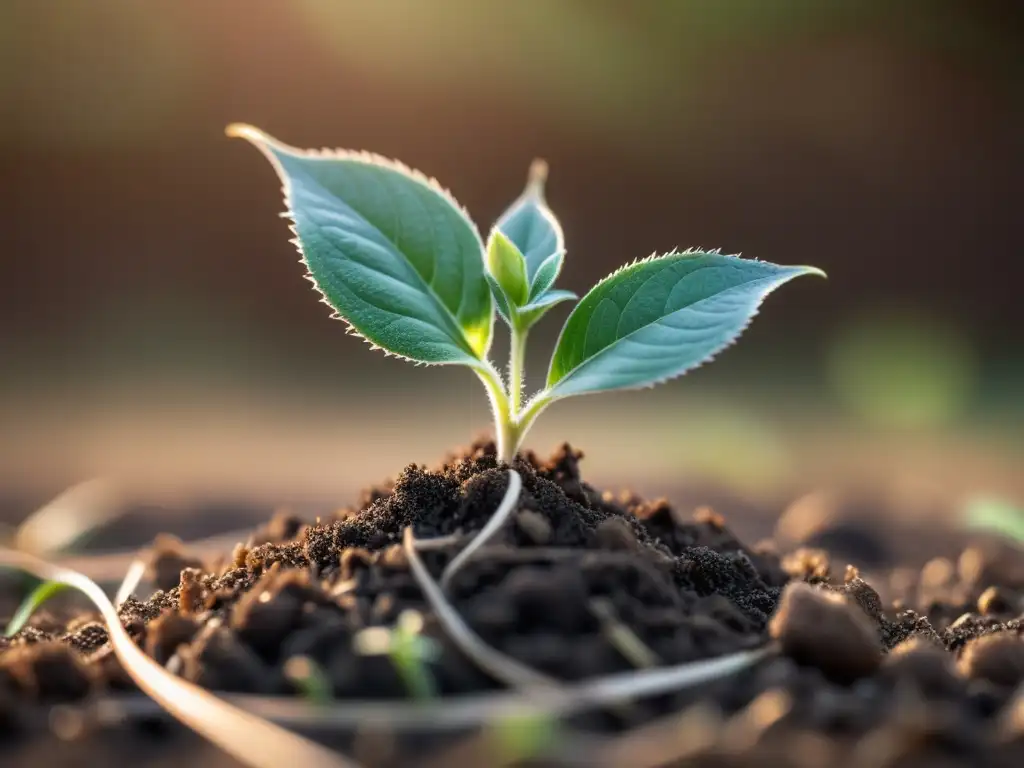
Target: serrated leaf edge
point(549, 390)
point(262, 141)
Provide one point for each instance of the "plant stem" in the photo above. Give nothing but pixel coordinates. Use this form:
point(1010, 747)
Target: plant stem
point(511, 419)
point(504, 429)
point(516, 366)
point(525, 418)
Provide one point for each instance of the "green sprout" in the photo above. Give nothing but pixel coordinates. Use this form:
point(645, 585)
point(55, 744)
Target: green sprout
point(994, 514)
point(32, 603)
point(396, 257)
point(518, 738)
point(408, 650)
point(310, 678)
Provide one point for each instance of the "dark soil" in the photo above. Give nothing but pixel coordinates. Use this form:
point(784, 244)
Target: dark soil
point(924, 678)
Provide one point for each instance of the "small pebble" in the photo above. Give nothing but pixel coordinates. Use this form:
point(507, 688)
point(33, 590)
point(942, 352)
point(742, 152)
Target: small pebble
point(998, 658)
point(806, 564)
point(166, 633)
point(824, 630)
point(925, 663)
point(238, 555)
point(993, 601)
point(616, 534)
point(190, 591)
point(534, 526)
point(863, 594)
point(168, 561)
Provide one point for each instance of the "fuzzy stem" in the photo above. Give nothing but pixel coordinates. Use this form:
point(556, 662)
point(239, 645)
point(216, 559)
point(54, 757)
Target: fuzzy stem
point(525, 418)
point(508, 441)
point(516, 367)
point(504, 428)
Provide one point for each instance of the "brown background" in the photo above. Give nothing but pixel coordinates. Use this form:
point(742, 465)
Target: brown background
point(153, 320)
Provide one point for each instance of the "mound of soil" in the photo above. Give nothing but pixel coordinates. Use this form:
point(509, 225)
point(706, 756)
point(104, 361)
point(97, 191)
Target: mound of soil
point(927, 679)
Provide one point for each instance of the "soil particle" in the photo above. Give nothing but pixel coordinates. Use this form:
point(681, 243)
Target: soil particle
point(997, 657)
point(48, 672)
point(283, 526)
point(218, 660)
point(862, 594)
point(732, 574)
point(239, 555)
point(925, 664)
point(534, 527)
point(809, 565)
point(190, 590)
point(996, 601)
point(887, 668)
point(167, 561)
point(166, 633)
point(824, 630)
point(615, 533)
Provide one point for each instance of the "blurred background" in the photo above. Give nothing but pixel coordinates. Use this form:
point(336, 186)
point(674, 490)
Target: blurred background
point(155, 327)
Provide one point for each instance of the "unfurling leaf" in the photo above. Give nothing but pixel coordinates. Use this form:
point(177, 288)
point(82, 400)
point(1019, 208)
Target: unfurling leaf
point(506, 265)
point(390, 251)
point(658, 318)
point(535, 310)
point(534, 230)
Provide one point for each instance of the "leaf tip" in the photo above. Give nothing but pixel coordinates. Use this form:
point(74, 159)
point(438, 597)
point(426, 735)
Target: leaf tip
point(537, 177)
point(245, 131)
point(263, 141)
point(805, 270)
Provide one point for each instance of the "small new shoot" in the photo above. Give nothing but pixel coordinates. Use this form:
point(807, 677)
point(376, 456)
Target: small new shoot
point(400, 261)
point(409, 651)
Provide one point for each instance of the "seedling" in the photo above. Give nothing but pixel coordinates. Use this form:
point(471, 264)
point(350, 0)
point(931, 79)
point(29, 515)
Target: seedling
point(400, 261)
point(310, 678)
point(520, 738)
point(32, 603)
point(408, 649)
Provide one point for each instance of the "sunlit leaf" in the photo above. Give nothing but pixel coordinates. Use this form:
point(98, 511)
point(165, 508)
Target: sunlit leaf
point(533, 228)
point(658, 318)
point(533, 311)
point(501, 302)
point(390, 250)
point(546, 275)
point(506, 264)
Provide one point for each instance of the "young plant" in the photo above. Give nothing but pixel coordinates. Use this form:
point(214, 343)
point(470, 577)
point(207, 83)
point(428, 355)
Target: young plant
point(401, 262)
point(408, 649)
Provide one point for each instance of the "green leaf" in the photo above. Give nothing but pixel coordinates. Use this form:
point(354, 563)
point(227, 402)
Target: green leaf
point(501, 301)
point(535, 231)
point(533, 311)
point(546, 274)
point(31, 604)
point(658, 318)
point(520, 738)
point(389, 249)
point(506, 265)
